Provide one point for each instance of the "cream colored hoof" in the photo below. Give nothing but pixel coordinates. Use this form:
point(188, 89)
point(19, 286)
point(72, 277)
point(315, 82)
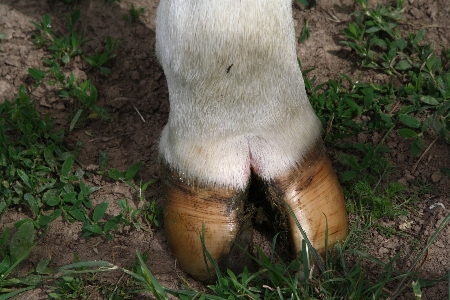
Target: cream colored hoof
point(314, 194)
point(186, 208)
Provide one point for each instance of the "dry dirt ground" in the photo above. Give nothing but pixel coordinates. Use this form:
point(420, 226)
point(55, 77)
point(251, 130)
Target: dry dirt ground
point(137, 83)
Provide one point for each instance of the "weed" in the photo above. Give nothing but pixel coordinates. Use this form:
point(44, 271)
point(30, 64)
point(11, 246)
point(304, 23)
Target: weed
point(150, 211)
point(147, 212)
point(304, 35)
point(133, 14)
point(69, 287)
point(45, 28)
point(86, 93)
point(303, 2)
point(115, 174)
point(63, 48)
point(20, 247)
point(70, 87)
point(100, 60)
point(38, 172)
point(72, 285)
point(39, 176)
point(96, 226)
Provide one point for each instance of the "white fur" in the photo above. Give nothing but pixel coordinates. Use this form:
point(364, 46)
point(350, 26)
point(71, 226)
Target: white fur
point(223, 119)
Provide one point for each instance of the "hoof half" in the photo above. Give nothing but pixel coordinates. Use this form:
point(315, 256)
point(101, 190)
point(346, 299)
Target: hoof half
point(186, 208)
point(313, 192)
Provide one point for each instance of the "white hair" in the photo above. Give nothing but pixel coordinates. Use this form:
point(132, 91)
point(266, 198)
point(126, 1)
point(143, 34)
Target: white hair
point(237, 97)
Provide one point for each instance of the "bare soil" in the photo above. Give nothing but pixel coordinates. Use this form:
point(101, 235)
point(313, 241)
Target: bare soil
point(137, 84)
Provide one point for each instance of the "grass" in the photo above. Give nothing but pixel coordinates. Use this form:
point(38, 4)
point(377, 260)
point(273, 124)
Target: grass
point(276, 280)
point(45, 180)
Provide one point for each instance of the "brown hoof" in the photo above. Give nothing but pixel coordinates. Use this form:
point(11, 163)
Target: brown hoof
point(314, 194)
point(186, 208)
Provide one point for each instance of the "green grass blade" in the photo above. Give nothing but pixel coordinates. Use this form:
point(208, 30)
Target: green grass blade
point(153, 284)
point(315, 254)
point(207, 256)
point(12, 294)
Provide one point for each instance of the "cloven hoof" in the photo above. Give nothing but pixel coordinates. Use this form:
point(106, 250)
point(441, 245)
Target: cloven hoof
point(311, 191)
point(238, 106)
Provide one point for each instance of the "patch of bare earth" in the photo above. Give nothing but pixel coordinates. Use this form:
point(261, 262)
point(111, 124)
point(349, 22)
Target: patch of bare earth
point(137, 84)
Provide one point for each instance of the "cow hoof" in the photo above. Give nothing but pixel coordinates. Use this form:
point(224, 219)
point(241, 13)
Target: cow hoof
point(187, 207)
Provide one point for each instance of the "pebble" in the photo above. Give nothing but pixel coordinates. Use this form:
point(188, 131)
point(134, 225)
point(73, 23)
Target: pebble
point(5, 87)
point(403, 181)
point(409, 176)
point(436, 176)
point(416, 13)
point(403, 218)
point(391, 244)
point(383, 250)
point(13, 61)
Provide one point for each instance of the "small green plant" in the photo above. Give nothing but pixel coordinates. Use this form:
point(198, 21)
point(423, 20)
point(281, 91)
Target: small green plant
point(70, 87)
point(133, 14)
point(304, 35)
point(72, 285)
point(86, 94)
point(303, 2)
point(149, 211)
point(101, 60)
point(20, 247)
point(96, 225)
point(69, 287)
point(2, 36)
point(63, 48)
point(45, 28)
point(130, 214)
point(115, 174)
